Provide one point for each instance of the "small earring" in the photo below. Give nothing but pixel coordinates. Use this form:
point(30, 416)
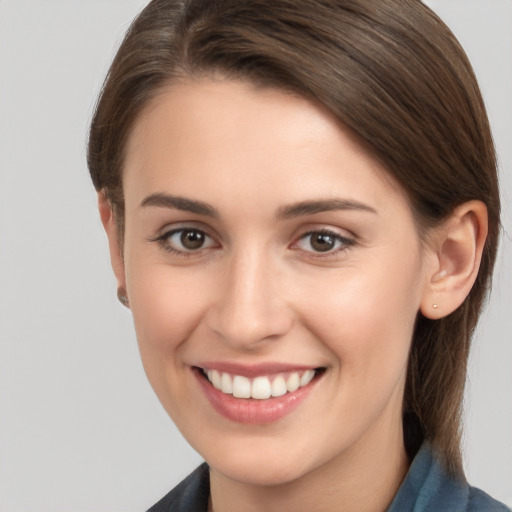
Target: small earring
point(435, 306)
point(121, 295)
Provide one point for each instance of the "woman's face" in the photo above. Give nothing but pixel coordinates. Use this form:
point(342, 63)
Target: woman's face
point(264, 248)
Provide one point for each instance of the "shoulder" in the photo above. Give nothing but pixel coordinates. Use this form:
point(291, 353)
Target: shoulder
point(479, 501)
point(428, 488)
point(192, 493)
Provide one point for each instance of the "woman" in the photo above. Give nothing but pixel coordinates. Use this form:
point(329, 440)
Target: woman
point(302, 210)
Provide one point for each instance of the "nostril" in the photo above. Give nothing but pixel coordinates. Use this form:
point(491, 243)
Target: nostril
point(247, 328)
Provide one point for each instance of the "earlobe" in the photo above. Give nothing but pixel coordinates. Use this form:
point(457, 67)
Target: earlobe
point(111, 229)
point(458, 245)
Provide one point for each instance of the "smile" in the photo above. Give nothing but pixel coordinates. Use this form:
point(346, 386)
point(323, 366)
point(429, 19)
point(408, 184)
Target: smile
point(261, 396)
point(261, 387)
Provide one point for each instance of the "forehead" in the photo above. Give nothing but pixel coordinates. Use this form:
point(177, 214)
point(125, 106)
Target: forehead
point(229, 108)
point(197, 134)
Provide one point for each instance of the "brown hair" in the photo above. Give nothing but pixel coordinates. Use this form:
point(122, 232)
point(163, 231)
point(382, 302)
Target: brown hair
point(395, 75)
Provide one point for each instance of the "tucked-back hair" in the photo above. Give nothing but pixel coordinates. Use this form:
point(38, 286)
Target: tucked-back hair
point(392, 73)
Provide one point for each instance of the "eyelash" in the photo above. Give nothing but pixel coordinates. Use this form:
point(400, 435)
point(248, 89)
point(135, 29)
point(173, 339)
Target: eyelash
point(344, 242)
point(163, 241)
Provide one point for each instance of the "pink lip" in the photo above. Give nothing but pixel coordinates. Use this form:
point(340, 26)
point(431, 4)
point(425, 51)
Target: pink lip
point(252, 411)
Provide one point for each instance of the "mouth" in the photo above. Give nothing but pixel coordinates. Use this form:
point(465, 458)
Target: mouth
point(257, 398)
point(261, 387)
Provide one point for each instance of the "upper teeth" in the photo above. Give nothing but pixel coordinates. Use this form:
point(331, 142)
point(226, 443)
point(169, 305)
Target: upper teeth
point(260, 387)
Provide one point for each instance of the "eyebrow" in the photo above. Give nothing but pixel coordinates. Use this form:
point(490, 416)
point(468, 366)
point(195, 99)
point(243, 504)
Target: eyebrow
point(162, 200)
point(179, 203)
point(319, 206)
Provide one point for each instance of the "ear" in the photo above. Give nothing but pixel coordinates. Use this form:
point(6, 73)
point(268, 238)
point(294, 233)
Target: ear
point(457, 247)
point(111, 229)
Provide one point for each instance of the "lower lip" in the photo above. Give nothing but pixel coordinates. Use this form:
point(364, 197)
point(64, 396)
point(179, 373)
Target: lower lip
point(251, 410)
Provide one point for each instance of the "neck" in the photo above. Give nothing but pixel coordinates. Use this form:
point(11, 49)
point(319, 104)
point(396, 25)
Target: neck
point(364, 478)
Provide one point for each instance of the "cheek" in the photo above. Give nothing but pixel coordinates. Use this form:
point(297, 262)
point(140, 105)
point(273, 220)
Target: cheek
point(367, 319)
point(166, 310)
point(167, 306)
point(368, 332)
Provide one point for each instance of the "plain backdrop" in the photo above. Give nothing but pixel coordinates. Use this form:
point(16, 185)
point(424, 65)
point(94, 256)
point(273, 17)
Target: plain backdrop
point(80, 429)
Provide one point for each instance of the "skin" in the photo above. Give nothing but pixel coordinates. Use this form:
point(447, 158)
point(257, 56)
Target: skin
point(259, 292)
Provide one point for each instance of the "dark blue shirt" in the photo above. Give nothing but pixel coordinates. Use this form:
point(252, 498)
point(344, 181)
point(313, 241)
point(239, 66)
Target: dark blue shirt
point(426, 488)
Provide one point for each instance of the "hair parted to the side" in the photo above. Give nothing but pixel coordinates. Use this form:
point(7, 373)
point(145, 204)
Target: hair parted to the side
point(391, 72)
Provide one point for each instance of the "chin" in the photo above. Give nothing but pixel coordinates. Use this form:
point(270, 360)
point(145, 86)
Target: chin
point(261, 473)
point(257, 460)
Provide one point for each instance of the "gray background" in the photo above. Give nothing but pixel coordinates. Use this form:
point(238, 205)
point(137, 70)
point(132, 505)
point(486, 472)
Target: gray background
point(80, 429)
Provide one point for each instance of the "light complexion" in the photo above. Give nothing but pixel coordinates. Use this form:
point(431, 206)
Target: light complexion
point(263, 246)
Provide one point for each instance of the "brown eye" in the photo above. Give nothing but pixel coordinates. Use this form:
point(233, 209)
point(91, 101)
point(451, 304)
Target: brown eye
point(192, 239)
point(186, 240)
point(322, 242)
point(326, 242)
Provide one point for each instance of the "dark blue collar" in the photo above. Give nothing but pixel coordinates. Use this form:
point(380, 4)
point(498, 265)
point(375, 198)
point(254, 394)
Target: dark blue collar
point(426, 488)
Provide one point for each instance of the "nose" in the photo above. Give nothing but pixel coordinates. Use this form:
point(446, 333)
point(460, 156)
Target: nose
point(250, 308)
